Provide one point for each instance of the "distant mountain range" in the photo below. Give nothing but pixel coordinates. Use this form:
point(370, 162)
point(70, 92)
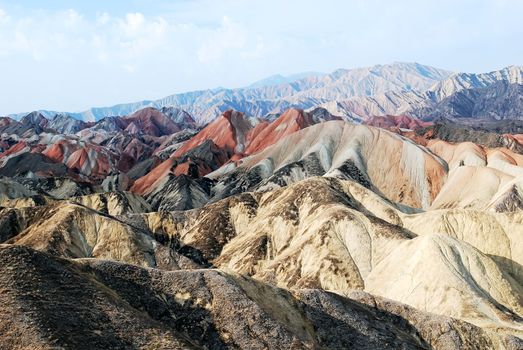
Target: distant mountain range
point(278, 79)
point(354, 94)
point(277, 93)
point(417, 103)
point(501, 100)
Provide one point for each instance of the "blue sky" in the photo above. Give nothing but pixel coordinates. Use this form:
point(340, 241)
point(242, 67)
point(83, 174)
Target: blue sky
point(72, 55)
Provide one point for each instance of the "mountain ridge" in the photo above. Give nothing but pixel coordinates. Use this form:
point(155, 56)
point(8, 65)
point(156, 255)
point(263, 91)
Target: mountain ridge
point(355, 94)
point(209, 103)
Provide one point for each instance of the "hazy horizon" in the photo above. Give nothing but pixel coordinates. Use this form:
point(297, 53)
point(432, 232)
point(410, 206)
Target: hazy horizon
point(70, 56)
point(248, 85)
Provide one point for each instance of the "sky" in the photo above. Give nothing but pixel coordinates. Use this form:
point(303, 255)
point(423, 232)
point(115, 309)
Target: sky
point(72, 55)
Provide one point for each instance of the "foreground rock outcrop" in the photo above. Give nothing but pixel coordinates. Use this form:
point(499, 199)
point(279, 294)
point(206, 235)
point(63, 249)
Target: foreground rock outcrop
point(91, 303)
point(320, 233)
point(338, 235)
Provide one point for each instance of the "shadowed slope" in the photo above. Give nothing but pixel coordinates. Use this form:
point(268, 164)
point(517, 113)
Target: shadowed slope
point(87, 303)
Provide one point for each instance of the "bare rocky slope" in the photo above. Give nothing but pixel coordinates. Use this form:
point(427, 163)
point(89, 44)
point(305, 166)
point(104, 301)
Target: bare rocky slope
point(123, 306)
point(320, 233)
point(493, 95)
point(500, 100)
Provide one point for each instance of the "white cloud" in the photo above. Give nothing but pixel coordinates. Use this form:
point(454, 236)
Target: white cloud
point(131, 40)
point(72, 18)
point(129, 68)
point(255, 52)
point(3, 16)
point(223, 41)
point(102, 18)
point(137, 35)
point(133, 23)
point(68, 35)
